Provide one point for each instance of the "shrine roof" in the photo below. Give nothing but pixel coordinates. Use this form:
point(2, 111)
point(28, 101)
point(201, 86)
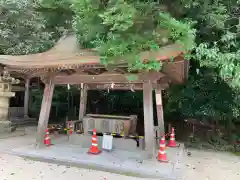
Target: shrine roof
point(67, 54)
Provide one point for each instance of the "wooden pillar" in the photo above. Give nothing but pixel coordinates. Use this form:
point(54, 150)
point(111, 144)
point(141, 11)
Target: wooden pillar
point(26, 97)
point(83, 101)
point(158, 94)
point(83, 106)
point(44, 113)
point(148, 119)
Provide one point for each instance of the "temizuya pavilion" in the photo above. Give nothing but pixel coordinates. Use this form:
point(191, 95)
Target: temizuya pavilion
point(67, 63)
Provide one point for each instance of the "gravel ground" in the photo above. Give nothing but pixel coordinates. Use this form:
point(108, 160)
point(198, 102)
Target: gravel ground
point(200, 166)
point(209, 165)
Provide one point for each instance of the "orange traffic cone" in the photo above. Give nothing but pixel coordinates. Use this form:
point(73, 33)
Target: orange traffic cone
point(47, 140)
point(70, 126)
point(70, 131)
point(162, 157)
point(94, 147)
point(172, 142)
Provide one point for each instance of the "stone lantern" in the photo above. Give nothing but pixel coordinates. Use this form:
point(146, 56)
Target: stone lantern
point(6, 82)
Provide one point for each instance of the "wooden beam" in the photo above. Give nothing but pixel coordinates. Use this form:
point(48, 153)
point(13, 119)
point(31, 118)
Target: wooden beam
point(45, 78)
point(159, 107)
point(93, 71)
point(17, 73)
point(148, 119)
point(121, 86)
point(108, 78)
point(26, 97)
point(17, 88)
point(116, 70)
point(124, 86)
point(186, 68)
point(121, 70)
point(110, 72)
point(44, 113)
point(37, 73)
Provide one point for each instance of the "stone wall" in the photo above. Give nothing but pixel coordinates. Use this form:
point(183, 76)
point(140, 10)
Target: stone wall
point(16, 112)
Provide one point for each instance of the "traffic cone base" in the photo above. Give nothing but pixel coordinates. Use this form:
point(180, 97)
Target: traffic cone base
point(94, 147)
point(162, 157)
point(94, 150)
point(47, 140)
point(172, 143)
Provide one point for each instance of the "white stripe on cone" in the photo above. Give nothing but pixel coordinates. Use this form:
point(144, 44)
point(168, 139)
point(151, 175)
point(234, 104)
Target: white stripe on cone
point(162, 152)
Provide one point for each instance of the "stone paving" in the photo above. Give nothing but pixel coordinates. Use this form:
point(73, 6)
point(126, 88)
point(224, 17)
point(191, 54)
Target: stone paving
point(17, 168)
point(132, 162)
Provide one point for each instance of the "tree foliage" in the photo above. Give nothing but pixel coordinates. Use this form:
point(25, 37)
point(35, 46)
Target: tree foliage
point(213, 87)
point(22, 29)
point(121, 29)
point(218, 35)
point(204, 96)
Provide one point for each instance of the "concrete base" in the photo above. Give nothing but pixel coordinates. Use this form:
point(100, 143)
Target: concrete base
point(85, 141)
point(132, 163)
point(19, 132)
point(5, 127)
point(23, 122)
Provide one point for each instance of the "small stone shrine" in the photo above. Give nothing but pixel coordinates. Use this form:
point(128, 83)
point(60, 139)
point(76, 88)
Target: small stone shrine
point(6, 82)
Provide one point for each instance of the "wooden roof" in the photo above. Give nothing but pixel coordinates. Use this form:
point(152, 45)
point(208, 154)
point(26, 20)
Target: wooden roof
point(67, 55)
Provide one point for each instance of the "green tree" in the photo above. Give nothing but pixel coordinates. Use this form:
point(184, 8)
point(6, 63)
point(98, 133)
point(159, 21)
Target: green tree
point(121, 29)
point(22, 29)
point(204, 96)
point(218, 34)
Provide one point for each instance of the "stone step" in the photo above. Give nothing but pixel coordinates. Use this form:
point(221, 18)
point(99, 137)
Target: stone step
point(16, 133)
point(6, 127)
point(24, 123)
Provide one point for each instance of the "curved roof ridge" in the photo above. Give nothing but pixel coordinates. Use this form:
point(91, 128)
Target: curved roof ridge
point(68, 52)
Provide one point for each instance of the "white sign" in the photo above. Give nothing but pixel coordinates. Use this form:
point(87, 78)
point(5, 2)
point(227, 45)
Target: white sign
point(159, 99)
point(107, 142)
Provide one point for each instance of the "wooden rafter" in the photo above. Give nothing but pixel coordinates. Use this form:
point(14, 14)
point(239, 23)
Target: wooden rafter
point(121, 70)
point(108, 78)
point(93, 71)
